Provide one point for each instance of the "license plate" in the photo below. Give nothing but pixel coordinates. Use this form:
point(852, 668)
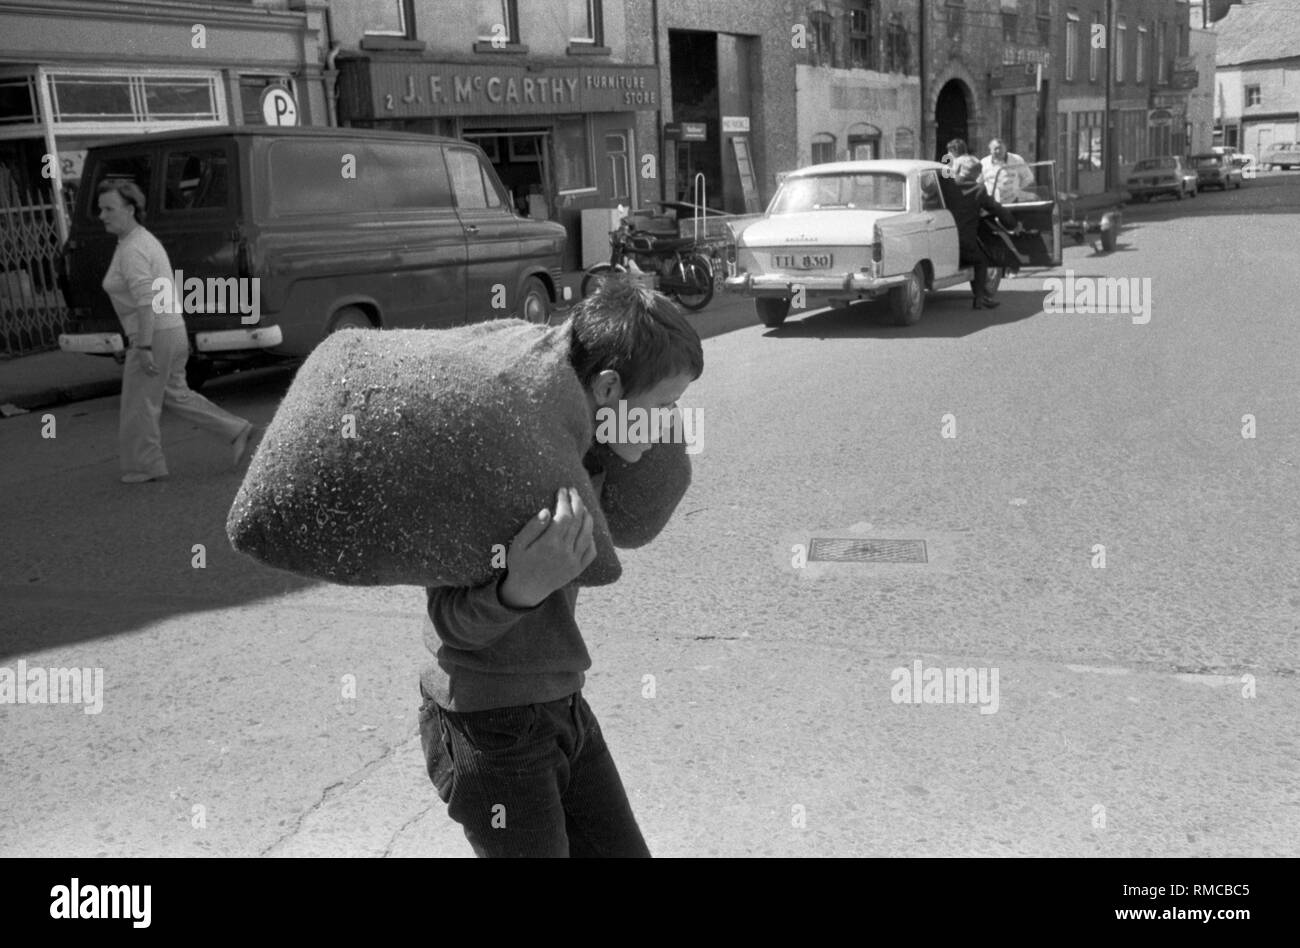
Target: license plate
point(101, 342)
point(803, 261)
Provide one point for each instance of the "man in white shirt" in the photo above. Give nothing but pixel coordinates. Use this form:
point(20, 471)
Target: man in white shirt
point(1005, 175)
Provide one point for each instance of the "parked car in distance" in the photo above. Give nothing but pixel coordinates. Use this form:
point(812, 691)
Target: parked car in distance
point(1167, 174)
point(1216, 171)
point(1239, 158)
point(1284, 155)
point(852, 230)
point(332, 227)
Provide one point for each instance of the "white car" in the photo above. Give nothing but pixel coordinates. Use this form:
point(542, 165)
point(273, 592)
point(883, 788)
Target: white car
point(856, 230)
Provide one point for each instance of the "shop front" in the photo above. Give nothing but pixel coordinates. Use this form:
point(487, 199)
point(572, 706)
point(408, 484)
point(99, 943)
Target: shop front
point(562, 138)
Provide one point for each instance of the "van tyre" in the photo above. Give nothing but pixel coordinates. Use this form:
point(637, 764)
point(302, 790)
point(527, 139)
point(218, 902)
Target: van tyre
point(350, 317)
point(534, 302)
point(772, 312)
point(906, 302)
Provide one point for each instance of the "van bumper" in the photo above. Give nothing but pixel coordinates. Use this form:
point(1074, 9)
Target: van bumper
point(95, 343)
point(238, 340)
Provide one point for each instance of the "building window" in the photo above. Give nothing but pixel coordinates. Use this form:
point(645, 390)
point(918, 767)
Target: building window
point(862, 34)
point(1010, 26)
point(1071, 44)
point(1095, 52)
point(863, 142)
point(1140, 57)
point(823, 148)
point(585, 22)
point(498, 21)
point(387, 18)
point(821, 41)
point(898, 46)
point(1253, 96)
point(1121, 39)
point(1162, 66)
point(1089, 156)
point(572, 154)
point(18, 101)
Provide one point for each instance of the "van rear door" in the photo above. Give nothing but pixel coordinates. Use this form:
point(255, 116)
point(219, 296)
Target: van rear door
point(491, 234)
point(413, 195)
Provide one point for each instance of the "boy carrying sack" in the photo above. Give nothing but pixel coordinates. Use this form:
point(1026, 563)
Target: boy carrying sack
point(510, 744)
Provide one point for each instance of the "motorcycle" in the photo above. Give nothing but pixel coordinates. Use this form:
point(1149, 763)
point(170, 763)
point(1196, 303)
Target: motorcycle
point(682, 273)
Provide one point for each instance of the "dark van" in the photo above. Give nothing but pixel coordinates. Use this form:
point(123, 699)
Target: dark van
point(279, 236)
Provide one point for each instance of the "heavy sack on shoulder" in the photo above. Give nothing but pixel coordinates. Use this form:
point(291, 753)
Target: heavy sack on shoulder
point(403, 456)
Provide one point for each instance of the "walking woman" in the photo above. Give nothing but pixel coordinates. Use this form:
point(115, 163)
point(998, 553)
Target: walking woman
point(158, 348)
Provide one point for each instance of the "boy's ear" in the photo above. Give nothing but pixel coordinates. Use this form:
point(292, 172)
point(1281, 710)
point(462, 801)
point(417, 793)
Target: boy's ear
point(607, 387)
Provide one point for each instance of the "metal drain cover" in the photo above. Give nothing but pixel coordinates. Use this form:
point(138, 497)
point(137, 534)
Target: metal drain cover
point(861, 550)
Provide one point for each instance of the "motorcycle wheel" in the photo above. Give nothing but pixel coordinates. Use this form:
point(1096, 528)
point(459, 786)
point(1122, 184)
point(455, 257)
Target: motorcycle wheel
point(691, 284)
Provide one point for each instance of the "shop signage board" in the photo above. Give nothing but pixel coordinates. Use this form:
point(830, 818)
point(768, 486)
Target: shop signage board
point(394, 89)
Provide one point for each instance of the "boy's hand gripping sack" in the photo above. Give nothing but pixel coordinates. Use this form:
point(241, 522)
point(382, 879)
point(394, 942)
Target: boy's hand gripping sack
point(404, 457)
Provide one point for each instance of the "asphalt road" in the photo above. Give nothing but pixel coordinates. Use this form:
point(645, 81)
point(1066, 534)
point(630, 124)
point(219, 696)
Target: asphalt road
point(1147, 708)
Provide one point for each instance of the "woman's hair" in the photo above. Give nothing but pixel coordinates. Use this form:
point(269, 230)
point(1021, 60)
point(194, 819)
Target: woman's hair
point(128, 192)
point(957, 147)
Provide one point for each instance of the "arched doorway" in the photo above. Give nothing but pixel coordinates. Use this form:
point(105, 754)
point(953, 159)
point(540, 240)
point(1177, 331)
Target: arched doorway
point(951, 116)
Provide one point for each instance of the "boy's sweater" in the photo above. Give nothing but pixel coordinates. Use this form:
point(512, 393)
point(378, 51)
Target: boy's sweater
point(490, 655)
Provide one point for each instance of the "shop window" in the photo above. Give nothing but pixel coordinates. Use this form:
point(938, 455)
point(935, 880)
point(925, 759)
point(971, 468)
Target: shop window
point(386, 17)
point(498, 21)
point(572, 154)
point(585, 24)
point(823, 148)
point(821, 39)
point(862, 34)
point(196, 180)
point(18, 101)
point(135, 98)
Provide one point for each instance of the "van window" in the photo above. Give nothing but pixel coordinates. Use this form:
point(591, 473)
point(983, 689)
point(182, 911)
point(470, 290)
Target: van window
point(409, 176)
point(197, 179)
point(317, 177)
point(137, 169)
point(473, 187)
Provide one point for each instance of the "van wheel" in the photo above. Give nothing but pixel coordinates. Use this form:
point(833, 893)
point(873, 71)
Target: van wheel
point(350, 317)
point(534, 303)
point(907, 301)
point(772, 312)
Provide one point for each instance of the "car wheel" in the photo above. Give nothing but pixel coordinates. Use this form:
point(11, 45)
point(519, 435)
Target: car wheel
point(907, 301)
point(534, 302)
point(772, 312)
point(591, 279)
point(350, 317)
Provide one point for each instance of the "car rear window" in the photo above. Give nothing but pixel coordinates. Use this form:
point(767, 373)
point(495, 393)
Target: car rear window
point(1207, 161)
point(196, 179)
point(875, 190)
point(1154, 164)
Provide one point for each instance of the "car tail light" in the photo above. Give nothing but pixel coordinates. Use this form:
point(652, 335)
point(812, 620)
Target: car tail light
point(875, 244)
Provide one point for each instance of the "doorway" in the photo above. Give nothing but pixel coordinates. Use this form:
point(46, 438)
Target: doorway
point(951, 117)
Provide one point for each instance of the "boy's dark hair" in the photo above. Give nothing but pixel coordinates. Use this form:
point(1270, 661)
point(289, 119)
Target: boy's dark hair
point(635, 331)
